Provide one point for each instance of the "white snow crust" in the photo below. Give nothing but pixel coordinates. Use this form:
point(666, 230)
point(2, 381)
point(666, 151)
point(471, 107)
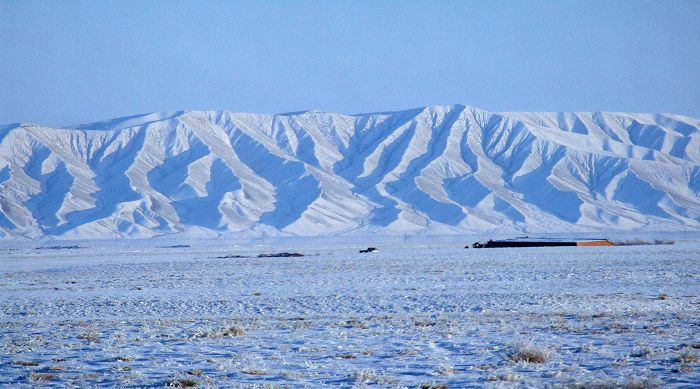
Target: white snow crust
point(402, 317)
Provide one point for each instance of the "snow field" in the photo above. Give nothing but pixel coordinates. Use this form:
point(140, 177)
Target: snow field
point(403, 317)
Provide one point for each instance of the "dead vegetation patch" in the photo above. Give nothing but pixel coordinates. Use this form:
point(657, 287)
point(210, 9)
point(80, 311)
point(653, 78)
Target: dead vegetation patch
point(91, 337)
point(682, 369)
point(355, 323)
point(432, 385)
point(26, 363)
point(254, 372)
point(42, 377)
point(230, 331)
point(183, 383)
point(423, 323)
point(526, 352)
point(687, 357)
point(233, 331)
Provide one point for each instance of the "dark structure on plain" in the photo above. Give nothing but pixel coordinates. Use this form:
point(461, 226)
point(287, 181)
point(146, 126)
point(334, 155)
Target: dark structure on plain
point(541, 243)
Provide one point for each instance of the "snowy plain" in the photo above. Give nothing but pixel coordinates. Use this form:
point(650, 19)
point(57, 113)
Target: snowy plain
point(136, 316)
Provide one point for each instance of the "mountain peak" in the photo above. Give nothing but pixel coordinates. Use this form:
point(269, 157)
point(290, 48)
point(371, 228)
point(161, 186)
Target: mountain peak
point(435, 169)
point(128, 121)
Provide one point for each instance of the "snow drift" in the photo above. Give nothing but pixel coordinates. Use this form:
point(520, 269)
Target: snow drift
point(453, 169)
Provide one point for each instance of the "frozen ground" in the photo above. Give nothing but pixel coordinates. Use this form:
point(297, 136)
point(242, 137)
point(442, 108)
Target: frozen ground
point(400, 317)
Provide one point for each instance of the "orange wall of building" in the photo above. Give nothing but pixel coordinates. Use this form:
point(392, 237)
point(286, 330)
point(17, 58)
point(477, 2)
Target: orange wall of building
point(595, 243)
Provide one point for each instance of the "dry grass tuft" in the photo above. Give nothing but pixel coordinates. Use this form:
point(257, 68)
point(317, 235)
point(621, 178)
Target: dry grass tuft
point(233, 331)
point(183, 383)
point(687, 356)
point(432, 385)
point(42, 377)
point(526, 352)
point(354, 323)
point(423, 323)
point(682, 369)
point(254, 372)
point(229, 331)
point(92, 337)
point(26, 363)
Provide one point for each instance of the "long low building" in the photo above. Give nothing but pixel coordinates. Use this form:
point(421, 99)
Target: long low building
point(542, 242)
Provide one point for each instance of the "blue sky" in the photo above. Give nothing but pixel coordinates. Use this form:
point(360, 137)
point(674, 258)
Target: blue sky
point(66, 62)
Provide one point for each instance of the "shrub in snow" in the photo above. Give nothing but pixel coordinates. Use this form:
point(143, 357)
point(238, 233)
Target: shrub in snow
point(526, 352)
point(222, 333)
point(253, 371)
point(42, 377)
point(234, 331)
point(687, 356)
point(183, 383)
point(25, 363)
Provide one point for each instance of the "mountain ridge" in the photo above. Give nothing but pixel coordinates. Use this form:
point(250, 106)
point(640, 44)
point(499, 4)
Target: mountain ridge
point(439, 169)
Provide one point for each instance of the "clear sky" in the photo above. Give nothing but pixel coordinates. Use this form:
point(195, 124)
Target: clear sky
point(67, 62)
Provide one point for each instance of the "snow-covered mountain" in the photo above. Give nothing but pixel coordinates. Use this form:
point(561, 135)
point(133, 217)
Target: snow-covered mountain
point(452, 169)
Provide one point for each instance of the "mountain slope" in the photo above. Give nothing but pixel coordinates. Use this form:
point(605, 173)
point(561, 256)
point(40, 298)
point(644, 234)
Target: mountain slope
point(434, 170)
